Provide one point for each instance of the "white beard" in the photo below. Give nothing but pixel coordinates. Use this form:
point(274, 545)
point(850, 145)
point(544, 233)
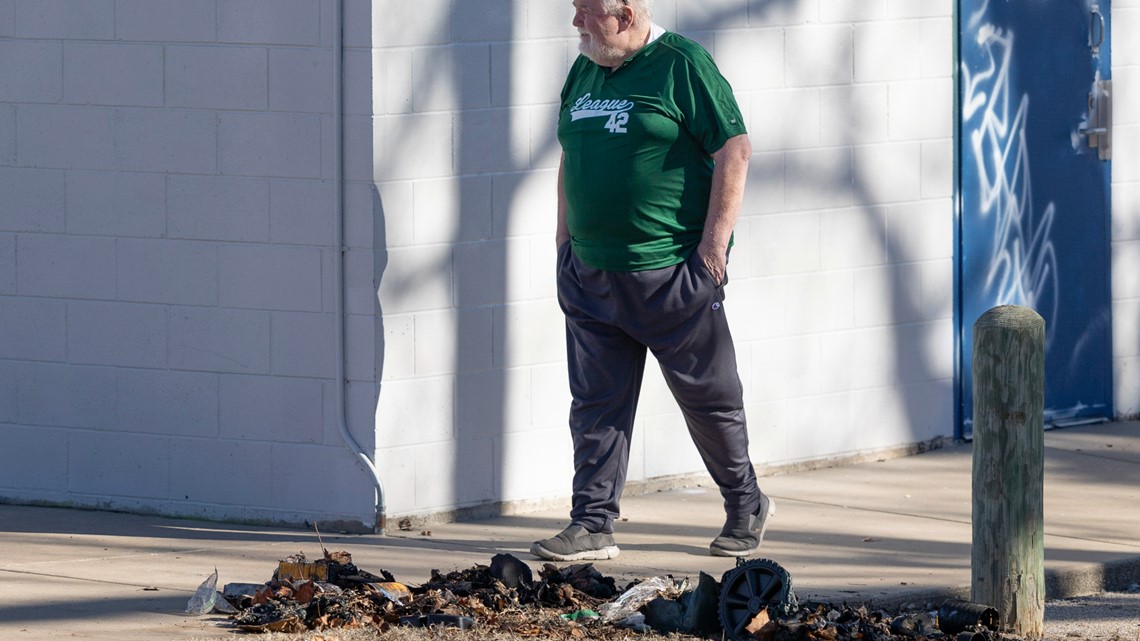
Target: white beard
point(602, 55)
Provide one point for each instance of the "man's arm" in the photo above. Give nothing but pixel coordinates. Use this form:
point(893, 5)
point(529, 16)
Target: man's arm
point(729, 176)
point(561, 231)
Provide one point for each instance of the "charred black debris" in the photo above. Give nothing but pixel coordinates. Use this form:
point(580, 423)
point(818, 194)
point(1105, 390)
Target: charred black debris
point(752, 601)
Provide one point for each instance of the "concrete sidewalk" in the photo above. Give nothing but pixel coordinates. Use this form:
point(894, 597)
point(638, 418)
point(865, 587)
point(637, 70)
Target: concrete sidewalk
point(887, 532)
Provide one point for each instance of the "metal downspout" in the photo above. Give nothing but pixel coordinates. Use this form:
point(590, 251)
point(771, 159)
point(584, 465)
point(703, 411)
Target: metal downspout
point(341, 250)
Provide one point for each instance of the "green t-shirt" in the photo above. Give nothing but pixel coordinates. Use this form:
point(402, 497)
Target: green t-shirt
point(638, 142)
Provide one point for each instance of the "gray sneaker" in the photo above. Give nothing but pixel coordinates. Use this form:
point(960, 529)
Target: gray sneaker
point(742, 539)
point(575, 543)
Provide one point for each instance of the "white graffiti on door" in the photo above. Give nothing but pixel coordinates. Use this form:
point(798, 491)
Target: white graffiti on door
point(1022, 267)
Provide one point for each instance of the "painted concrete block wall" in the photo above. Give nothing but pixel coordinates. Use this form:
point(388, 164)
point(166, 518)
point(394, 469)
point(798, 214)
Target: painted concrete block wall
point(1126, 207)
point(841, 278)
point(167, 299)
point(167, 258)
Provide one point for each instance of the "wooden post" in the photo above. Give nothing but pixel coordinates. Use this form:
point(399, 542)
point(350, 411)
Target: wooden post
point(1008, 556)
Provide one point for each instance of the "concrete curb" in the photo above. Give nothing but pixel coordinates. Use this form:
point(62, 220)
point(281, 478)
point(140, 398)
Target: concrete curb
point(1087, 580)
point(1093, 578)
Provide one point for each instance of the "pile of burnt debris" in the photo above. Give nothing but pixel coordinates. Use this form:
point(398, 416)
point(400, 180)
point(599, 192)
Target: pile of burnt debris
point(752, 601)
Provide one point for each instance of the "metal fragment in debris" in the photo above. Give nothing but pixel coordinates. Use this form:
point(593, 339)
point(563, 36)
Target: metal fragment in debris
point(959, 616)
point(638, 595)
point(222, 606)
point(241, 594)
point(392, 590)
point(303, 570)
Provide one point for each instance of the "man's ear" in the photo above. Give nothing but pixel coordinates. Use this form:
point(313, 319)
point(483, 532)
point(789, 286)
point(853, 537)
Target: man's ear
point(625, 18)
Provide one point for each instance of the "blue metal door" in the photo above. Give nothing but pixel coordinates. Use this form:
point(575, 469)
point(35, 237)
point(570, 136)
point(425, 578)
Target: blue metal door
point(1035, 142)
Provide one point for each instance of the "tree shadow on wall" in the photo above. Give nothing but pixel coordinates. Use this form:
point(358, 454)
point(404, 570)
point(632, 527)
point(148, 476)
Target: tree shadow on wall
point(486, 184)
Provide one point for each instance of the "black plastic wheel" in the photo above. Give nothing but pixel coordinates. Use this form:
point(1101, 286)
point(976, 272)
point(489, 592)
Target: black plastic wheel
point(750, 587)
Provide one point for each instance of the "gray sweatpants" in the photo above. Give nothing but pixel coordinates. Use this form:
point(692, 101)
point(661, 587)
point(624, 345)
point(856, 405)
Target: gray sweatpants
point(677, 313)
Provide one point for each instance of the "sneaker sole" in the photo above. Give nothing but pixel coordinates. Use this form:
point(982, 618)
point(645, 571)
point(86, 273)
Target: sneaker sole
point(731, 553)
point(601, 554)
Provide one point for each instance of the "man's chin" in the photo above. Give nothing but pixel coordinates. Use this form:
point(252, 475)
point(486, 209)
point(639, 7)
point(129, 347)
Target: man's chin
point(596, 55)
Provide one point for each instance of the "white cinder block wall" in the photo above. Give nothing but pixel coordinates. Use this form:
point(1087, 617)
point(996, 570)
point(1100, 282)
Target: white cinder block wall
point(1126, 206)
point(167, 256)
point(841, 279)
point(167, 303)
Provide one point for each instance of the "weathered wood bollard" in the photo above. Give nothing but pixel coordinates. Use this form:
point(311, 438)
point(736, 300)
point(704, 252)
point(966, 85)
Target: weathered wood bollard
point(1008, 555)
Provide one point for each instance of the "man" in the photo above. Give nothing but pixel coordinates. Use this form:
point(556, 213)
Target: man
point(654, 161)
